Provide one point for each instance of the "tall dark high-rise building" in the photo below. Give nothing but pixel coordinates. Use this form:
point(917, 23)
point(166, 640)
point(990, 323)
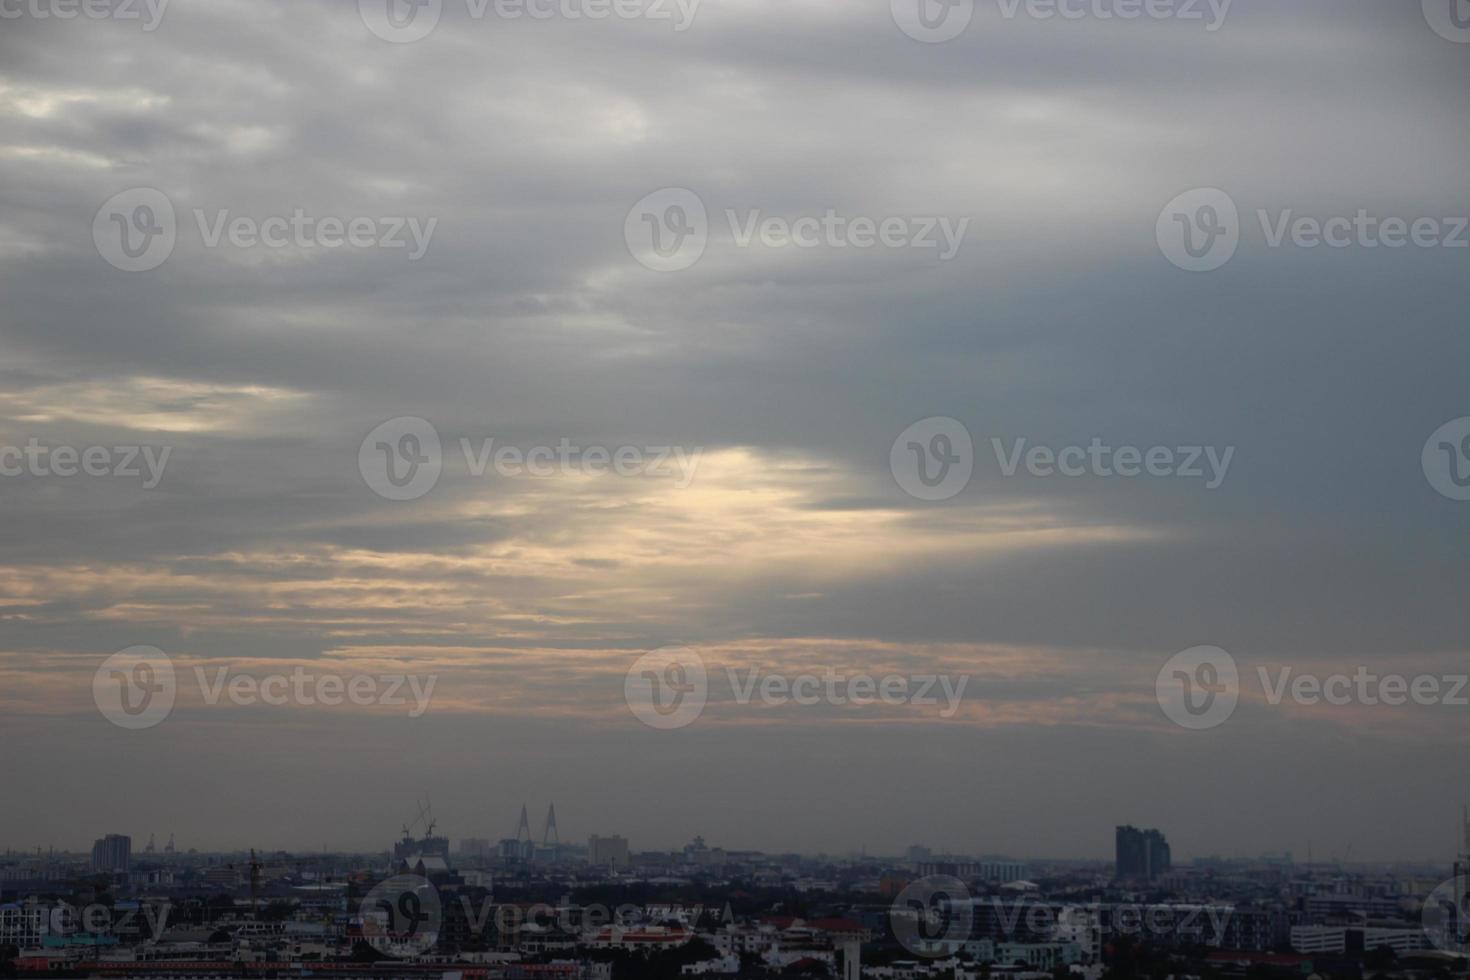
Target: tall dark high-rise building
point(1130, 857)
point(1141, 854)
point(1160, 858)
point(112, 853)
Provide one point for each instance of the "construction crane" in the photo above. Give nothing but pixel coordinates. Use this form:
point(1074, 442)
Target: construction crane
point(425, 818)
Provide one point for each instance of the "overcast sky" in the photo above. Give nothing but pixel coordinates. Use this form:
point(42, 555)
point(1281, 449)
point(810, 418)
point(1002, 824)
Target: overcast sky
point(517, 148)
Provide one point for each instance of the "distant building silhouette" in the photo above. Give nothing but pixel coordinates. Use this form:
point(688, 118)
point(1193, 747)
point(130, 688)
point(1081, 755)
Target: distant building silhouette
point(610, 852)
point(475, 847)
point(112, 853)
point(1141, 855)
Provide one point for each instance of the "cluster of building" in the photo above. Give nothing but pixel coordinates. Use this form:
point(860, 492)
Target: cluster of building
point(1142, 855)
point(606, 912)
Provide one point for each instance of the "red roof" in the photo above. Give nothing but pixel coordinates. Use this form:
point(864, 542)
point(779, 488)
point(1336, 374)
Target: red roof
point(837, 925)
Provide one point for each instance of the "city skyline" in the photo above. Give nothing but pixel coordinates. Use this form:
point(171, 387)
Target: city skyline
point(1308, 857)
point(528, 911)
